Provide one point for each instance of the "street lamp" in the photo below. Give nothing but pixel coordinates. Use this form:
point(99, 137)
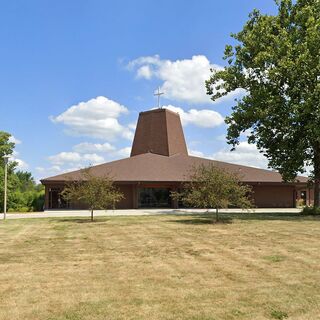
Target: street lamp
point(6, 160)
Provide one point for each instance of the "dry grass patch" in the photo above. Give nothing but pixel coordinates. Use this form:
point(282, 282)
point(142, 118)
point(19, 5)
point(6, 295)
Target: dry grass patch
point(258, 266)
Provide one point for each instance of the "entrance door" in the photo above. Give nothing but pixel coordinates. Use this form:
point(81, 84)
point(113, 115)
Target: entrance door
point(303, 197)
point(154, 198)
point(55, 199)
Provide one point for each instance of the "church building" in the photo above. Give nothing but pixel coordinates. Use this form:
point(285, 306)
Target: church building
point(159, 163)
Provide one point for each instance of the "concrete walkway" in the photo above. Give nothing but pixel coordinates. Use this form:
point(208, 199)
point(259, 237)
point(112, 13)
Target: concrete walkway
point(134, 212)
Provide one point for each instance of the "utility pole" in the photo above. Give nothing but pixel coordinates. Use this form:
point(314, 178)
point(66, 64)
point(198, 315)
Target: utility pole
point(6, 159)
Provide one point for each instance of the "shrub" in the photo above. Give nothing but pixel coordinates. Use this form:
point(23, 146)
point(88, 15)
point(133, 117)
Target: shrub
point(38, 201)
point(20, 209)
point(311, 211)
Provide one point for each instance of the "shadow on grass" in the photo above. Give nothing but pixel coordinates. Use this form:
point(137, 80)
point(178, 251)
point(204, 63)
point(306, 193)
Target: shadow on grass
point(284, 216)
point(195, 220)
point(202, 218)
point(246, 216)
point(83, 220)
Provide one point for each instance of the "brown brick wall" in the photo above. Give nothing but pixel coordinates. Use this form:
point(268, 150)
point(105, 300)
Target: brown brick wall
point(160, 132)
point(274, 196)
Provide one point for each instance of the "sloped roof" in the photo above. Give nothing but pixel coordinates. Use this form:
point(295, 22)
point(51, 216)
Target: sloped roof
point(149, 167)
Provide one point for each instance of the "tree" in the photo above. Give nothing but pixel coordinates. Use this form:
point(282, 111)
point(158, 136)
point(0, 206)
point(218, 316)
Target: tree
point(276, 61)
point(6, 148)
point(212, 187)
point(95, 192)
point(23, 193)
point(26, 180)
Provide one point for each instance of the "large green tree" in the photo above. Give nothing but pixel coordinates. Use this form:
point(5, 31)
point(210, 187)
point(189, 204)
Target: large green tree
point(276, 60)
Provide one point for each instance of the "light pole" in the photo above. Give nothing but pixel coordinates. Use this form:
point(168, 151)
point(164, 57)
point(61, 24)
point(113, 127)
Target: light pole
point(6, 159)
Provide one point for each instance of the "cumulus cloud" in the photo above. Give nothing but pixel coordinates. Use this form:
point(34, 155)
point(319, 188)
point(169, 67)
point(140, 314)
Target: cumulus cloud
point(83, 155)
point(14, 140)
point(109, 150)
point(87, 147)
point(96, 118)
point(196, 153)
point(183, 80)
point(54, 170)
point(144, 72)
point(51, 170)
point(245, 154)
point(75, 158)
point(201, 118)
point(132, 126)
point(123, 152)
point(21, 164)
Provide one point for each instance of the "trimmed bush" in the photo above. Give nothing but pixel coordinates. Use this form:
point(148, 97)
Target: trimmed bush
point(311, 211)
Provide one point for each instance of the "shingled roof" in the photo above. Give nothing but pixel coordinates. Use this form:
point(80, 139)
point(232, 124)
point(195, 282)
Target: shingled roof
point(159, 154)
point(149, 167)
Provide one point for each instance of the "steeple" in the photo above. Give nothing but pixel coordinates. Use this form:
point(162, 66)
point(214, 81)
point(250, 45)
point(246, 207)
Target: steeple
point(159, 131)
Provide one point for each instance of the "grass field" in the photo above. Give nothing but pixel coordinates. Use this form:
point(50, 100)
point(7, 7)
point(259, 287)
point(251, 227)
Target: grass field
point(254, 266)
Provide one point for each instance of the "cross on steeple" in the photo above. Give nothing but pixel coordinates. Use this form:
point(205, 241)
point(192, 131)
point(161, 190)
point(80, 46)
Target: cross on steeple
point(158, 93)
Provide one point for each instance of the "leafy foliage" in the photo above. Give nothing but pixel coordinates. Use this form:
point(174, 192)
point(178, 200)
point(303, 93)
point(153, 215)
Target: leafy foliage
point(276, 61)
point(95, 192)
point(23, 193)
point(212, 187)
point(6, 147)
point(311, 210)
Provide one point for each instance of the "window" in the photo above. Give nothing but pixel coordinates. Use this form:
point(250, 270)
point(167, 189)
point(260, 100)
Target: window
point(154, 198)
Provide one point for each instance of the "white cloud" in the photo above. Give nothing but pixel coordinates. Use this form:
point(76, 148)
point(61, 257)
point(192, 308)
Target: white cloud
point(51, 170)
point(54, 170)
point(245, 154)
point(81, 157)
point(196, 153)
point(123, 153)
point(87, 147)
point(63, 158)
point(183, 80)
point(14, 140)
point(144, 72)
point(201, 118)
point(132, 125)
point(109, 150)
point(21, 164)
point(96, 118)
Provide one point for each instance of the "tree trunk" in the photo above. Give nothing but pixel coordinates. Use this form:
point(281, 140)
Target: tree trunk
point(316, 163)
point(316, 191)
point(91, 214)
point(217, 214)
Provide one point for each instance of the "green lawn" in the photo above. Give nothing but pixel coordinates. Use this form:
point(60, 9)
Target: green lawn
point(253, 266)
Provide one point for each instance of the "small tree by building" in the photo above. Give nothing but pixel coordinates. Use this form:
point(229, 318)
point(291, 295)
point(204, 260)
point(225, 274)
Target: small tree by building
point(96, 192)
point(212, 187)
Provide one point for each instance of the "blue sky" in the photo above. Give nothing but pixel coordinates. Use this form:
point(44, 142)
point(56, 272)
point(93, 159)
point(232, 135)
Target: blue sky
point(75, 74)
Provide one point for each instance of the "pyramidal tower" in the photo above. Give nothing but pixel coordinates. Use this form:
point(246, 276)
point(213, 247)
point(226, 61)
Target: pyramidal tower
point(159, 131)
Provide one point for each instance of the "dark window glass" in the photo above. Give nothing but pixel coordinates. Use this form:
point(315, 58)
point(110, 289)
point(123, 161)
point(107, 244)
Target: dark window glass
point(55, 199)
point(154, 198)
